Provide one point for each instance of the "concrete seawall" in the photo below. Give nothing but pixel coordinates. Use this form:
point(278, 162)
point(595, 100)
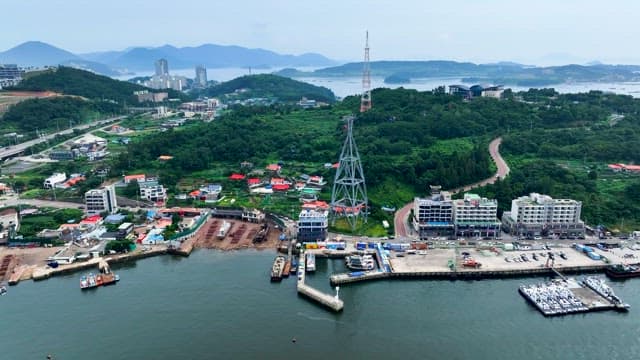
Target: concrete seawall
point(43, 273)
point(339, 279)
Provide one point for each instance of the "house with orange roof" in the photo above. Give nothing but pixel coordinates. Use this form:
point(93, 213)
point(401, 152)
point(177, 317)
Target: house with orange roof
point(274, 167)
point(136, 177)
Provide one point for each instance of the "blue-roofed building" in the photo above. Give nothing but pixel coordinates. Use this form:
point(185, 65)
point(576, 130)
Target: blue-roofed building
point(460, 90)
point(114, 219)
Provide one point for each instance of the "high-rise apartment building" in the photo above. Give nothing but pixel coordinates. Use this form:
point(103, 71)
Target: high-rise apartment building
point(101, 200)
point(162, 67)
point(201, 76)
point(541, 215)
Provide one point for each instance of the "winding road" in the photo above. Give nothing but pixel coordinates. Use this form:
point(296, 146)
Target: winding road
point(400, 219)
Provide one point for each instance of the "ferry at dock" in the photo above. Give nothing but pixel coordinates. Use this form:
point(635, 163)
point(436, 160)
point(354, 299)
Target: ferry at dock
point(360, 262)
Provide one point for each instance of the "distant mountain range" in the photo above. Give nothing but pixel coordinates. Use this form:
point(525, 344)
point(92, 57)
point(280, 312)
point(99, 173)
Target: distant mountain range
point(506, 73)
point(39, 54)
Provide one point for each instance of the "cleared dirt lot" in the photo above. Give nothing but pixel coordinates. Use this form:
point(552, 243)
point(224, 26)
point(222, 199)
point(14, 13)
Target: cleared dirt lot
point(239, 236)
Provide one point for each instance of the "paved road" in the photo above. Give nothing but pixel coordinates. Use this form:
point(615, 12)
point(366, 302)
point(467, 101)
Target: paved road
point(16, 149)
point(41, 203)
point(400, 219)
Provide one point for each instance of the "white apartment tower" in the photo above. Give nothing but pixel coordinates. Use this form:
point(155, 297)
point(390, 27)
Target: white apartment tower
point(538, 214)
point(101, 200)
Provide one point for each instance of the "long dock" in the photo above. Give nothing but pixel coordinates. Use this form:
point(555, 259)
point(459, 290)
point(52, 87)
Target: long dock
point(327, 300)
point(466, 274)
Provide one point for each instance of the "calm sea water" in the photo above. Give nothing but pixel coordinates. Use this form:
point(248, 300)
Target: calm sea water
point(216, 305)
point(353, 85)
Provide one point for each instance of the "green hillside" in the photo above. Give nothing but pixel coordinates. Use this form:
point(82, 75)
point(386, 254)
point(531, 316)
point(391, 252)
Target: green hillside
point(70, 81)
point(270, 86)
point(555, 144)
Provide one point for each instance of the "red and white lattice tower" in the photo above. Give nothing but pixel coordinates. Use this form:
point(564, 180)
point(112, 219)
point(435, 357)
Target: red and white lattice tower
point(365, 102)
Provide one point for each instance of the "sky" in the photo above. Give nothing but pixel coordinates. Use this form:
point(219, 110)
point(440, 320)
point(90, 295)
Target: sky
point(541, 32)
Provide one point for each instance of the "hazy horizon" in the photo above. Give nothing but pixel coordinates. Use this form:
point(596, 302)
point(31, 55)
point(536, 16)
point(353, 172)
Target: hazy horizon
point(540, 33)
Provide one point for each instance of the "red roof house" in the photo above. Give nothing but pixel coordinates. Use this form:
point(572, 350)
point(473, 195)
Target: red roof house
point(235, 176)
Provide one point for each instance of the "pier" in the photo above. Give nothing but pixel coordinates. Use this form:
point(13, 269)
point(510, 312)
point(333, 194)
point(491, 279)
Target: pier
point(567, 296)
point(327, 300)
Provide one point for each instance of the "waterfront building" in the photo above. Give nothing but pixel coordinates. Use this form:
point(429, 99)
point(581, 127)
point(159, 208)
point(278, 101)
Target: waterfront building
point(433, 216)
point(101, 200)
point(10, 222)
point(201, 76)
point(541, 215)
point(313, 225)
point(162, 67)
point(475, 216)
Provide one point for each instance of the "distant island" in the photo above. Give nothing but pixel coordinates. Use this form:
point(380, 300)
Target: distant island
point(498, 73)
point(397, 79)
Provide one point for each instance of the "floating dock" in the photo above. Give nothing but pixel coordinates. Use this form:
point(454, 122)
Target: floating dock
point(327, 300)
point(568, 296)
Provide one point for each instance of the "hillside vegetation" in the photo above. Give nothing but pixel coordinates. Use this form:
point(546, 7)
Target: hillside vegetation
point(556, 144)
point(270, 86)
point(70, 81)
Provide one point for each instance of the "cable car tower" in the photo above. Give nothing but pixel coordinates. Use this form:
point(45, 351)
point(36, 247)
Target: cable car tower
point(365, 100)
point(349, 195)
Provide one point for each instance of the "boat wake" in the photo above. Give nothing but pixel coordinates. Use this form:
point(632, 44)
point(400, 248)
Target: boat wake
point(318, 318)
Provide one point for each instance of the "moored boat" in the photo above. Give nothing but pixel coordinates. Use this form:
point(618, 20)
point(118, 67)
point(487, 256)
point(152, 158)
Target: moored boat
point(277, 268)
point(621, 271)
point(104, 278)
point(311, 262)
point(294, 266)
point(360, 262)
point(287, 269)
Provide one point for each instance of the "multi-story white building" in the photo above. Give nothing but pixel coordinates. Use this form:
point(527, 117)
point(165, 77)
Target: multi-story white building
point(313, 225)
point(54, 179)
point(476, 216)
point(541, 215)
point(101, 200)
point(433, 216)
point(151, 190)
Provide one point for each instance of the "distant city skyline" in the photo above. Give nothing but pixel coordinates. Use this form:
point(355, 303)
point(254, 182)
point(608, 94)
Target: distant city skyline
point(544, 32)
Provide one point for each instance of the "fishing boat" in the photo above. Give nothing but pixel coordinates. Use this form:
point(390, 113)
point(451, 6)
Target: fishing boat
point(287, 269)
point(311, 262)
point(104, 278)
point(277, 268)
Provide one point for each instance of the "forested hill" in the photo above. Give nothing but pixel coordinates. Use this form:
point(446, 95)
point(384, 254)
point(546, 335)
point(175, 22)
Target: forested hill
point(271, 86)
point(555, 144)
point(497, 73)
point(70, 81)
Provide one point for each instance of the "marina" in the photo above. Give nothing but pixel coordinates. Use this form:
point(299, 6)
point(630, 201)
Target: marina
point(568, 296)
point(332, 302)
